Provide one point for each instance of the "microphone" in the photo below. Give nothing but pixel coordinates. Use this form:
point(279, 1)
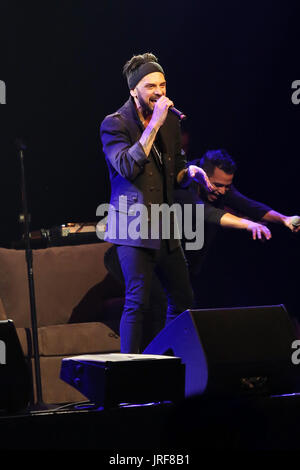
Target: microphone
point(295, 221)
point(178, 113)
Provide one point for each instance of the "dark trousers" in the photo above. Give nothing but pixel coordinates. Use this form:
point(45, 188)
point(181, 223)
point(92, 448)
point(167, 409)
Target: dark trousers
point(140, 266)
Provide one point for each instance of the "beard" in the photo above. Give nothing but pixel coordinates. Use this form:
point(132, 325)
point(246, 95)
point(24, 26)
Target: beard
point(145, 107)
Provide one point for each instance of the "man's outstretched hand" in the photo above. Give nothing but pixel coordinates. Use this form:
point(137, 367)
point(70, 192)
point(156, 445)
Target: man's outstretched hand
point(259, 231)
point(199, 175)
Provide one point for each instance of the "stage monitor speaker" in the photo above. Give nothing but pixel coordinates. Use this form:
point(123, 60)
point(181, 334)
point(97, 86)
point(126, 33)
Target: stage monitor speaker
point(15, 377)
point(109, 380)
point(231, 351)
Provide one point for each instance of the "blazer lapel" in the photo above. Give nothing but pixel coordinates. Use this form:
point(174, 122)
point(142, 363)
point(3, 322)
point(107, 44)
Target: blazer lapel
point(164, 133)
point(129, 112)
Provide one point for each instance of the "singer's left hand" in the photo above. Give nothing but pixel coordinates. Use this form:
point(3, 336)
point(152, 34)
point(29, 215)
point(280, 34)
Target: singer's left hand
point(199, 175)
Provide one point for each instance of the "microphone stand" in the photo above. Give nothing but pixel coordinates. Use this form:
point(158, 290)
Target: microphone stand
point(28, 252)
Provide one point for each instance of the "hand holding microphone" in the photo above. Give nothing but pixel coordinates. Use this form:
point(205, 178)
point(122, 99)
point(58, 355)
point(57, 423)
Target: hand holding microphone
point(161, 108)
point(293, 223)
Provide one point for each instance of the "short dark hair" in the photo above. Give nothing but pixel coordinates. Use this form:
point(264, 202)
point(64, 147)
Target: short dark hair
point(137, 60)
point(218, 158)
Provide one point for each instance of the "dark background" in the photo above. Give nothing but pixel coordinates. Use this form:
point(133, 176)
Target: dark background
point(229, 66)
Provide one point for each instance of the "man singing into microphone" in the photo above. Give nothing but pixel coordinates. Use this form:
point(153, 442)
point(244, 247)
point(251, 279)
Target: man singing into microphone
point(142, 147)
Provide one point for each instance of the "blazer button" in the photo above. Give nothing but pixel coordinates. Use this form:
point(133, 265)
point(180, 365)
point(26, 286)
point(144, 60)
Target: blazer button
point(151, 188)
point(150, 173)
